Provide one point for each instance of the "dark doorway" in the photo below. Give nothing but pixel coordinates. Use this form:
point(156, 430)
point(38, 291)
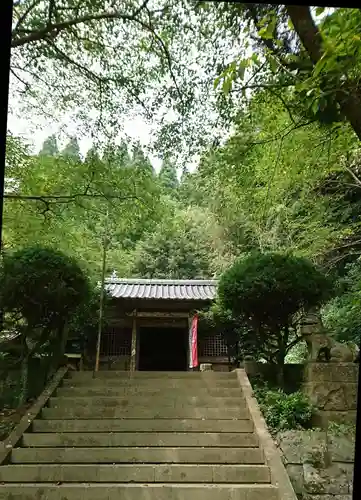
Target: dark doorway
point(163, 349)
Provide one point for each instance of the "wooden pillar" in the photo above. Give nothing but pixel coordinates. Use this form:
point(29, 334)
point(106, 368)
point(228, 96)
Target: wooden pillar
point(133, 353)
point(190, 317)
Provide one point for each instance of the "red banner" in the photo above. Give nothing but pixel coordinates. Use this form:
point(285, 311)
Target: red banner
point(194, 342)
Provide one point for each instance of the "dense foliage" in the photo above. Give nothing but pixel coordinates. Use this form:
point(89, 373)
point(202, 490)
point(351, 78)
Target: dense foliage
point(70, 203)
point(43, 286)
point(83, 326)
point(240, 339)
point(266, 291)
point(253, 113)
point(187, 245)
point(342, 315)
point(268, 96)
point(284, 411)
point(270, 288)
point(41, 289)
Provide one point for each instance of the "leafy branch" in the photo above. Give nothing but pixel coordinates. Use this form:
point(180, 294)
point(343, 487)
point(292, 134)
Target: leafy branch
point(49, 200)
point(312, 40)
point(52, 30)
point(282, 134)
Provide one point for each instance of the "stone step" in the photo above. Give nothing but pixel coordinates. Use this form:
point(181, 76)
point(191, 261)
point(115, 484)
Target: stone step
point(187, 384)
point(138, 455)
point(109, 491)
point(168, 439)
point(143, 425)
point(93, 411)
point(81, 375)
point(143, 401)
point(135, 473)
point(136, 391)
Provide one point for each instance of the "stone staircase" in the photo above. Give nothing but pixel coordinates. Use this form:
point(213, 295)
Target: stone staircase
point(141, 436)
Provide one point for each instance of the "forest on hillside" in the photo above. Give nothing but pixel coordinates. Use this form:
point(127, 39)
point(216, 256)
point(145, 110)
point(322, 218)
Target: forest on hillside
point(269, 104)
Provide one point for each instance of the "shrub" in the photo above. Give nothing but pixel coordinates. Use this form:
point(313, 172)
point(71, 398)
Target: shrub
point(342, 315)
point(41, 288)
point(266, 291)
point(284, 411)
point(42, 285)
point(84, 324)
point(338, 429)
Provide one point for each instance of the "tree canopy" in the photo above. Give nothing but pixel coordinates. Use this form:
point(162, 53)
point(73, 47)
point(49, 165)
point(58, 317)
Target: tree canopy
point(71, 150)
point(41, 289)
point(267, 98)
point(50, 147)
point(168, 175)
point(266, 291)
point(187, 67)
point(69, 204)
point(43, 285)
point(182, 246)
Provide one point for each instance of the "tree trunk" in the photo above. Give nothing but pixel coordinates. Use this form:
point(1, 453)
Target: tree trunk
point(237, 354)
point(282, 339)
point(58, 351)
point(281, 375)
point(229, 355)
point(24, 377)
point(311, 38)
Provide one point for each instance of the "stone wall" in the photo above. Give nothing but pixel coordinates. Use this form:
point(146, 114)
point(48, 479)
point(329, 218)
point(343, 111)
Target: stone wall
point(320, 466)
point(332, 387)
point(219, 363)
point(293, 374)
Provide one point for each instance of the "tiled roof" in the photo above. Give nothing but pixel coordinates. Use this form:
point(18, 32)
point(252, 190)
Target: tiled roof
point(161, 289)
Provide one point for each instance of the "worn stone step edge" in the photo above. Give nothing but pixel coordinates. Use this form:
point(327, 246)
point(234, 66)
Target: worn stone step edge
point(143, 399)
point(148, 385)
point(149, 391)
point(145, 491)
point(151, 374)
point(138, 455)
point(146, 411)
point(155, 439)
point(136, 473)
point(210, 401)
point(142, 385)
point(126, 382)
point(143, 425)
point(142, 412)
point(109, 402)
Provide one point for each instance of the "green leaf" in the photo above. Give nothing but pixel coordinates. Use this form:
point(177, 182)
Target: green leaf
point(241, 71)
point(267, 32)
point(254, 58)
point(216, 82)
point(263, 33)
point(315, 106)
point(320, 65)
point(272, 26)
point(319, 10)
point(273, 64)
point(227, 85)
